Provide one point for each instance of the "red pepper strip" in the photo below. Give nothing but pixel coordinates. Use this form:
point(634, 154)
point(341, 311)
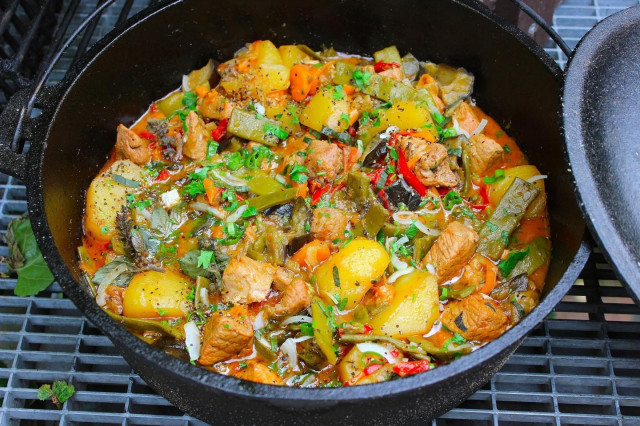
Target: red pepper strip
point(164, 175)
point(371, 369)
point(411, 179)
point(443, 191)
point(352, 131)
point(315, 198)
point(383, 66)
point(153, 108)
point(403, 369)
point(220, 130)
point(383, 197)
point(366, 329)
point(152, 145)
point(147, 135)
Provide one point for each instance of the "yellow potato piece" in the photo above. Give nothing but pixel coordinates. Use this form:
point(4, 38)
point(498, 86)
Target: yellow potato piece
point(274, 77)
point(153, 294)
point(406, 115)
point(267, 53)
point(323, 110)
point(357, 265)
point(291, 55)
point(414, 309)
point(105, 198)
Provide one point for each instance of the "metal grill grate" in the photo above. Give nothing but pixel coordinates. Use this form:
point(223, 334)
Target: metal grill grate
point(581, 366)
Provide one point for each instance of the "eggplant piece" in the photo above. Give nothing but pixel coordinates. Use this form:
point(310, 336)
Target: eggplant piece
point(285, 211)
point(376, 149)
point(400, 192)
point(455, 83)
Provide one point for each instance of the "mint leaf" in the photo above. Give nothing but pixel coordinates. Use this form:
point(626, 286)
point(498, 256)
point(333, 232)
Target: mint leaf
point(25, 259)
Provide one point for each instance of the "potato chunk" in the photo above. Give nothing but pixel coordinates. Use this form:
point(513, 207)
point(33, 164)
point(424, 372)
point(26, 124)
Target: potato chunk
point(414, 308)
point(153, 294)
point(350, 272)
point(106, 197)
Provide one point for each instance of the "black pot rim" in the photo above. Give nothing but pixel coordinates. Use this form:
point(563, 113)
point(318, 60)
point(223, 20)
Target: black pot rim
point(231, 385)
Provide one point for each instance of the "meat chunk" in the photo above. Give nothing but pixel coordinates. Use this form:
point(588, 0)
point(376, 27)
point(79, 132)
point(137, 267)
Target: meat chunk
point(257, 372)
point(296, 294)
point(226, 335)
point(113, 298)
point(428, 161)
point(214, 105)
point(131, 146)
point(484, 153)
point(195, 146)
point(324, 160)
point(328, 224)
point(466, 118)
point(451, 251)
point(246, 280)
point(476, 318)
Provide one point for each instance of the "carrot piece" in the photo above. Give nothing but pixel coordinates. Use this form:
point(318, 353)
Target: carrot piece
point(426, 135)
point(201, 91)
point(311, 254)
point(301, 82)
point(440, 337)
point(491, 271)
point(210, 190)
point(348, 89)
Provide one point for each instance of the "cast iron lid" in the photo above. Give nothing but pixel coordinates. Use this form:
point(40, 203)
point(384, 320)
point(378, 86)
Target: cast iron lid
point(602, 126)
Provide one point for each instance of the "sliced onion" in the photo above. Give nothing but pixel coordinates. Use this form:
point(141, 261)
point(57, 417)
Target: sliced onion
point(230, 179)
point(403, 240)
point(290, 349)
point(387, 133)
point(233, 217)
point(296, 319)
point(378, 349)
point(426, 230)
point(281, 179)
point(192, 340)
point(404, 218)
point(393, 277)
point(259, 322)
point(206, 208)
point(459, 130)
point(430, 268)
point(360, 146)
point(101, 294)
point(536, 177)
point(144, 213)
point(259, 108)
point(204, 296)
point(480, 127)
point(397, 263)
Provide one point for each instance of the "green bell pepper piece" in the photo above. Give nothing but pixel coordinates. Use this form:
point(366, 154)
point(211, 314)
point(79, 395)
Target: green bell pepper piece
point(343, 72)
point(388, 54)
point(441, 353)
point(262, 184)
point(248, 126)
point(375, 218)
point(138, 324)
point(263, 202)
point(322, 330)
point(539, 252)
point(496, 231)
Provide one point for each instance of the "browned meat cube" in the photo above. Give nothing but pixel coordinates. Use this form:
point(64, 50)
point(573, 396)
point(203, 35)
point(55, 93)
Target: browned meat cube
point(197, 137)
point(131, 146)
point(484, 154)
point(324, 160)
point(214, 105)
point(451, 251)
point(466, 118)
point(296, 294)
point(260, 373)
point(246, 280)
point(476, 318)
point(328, 224)
point(226, 334)
point(427, 160)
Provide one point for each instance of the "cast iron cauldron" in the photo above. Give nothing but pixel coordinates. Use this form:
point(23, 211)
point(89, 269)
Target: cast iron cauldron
point(515, 82)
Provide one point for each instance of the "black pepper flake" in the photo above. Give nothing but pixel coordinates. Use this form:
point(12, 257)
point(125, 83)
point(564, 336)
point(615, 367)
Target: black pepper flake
point(460, 322)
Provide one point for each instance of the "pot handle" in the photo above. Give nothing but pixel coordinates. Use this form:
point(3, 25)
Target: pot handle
point(13, 162)
point(543, 24)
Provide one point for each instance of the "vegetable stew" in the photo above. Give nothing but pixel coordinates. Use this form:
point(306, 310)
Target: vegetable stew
point(317, 219)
